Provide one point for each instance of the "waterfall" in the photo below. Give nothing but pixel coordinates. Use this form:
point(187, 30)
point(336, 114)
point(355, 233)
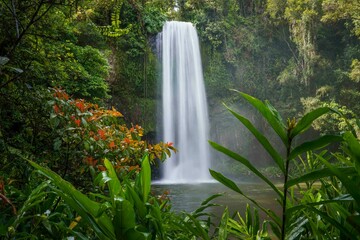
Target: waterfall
point(184, 106)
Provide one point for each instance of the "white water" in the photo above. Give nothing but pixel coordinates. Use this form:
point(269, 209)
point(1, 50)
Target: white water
point(185, 116)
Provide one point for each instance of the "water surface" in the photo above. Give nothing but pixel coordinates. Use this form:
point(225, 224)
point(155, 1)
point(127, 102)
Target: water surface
point(188, 197)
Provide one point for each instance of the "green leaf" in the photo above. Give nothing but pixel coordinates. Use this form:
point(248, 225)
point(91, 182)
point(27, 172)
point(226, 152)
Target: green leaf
point(133, 234)
point(343, 230)
point(354, 221)
point(248, 218)
point(145, 177)
point(275, 229)
point(315, 144)
point(262, 139)
point(223, 225)
point(4, 60)
point(156, 218)
point(206, 201)
point(341, 198)
point(224, 180)
point(101, 179)
point(203, 207)
point(199, 230)
point(306, 121)
point(124, 217)
point(245, 162)
point(85, 207)
point(256, 223)
point(35, 195)
point(297, 228)
point(321, 173)
point(114, 184)
point(351, 186)
point(275, 113)
point(354, 147)
point(138, 204)
point(230, 184)
point(271, 117)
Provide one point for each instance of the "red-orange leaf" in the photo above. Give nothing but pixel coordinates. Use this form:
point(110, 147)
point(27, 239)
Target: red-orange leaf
point(77, 122)
point(101, 132)
point(112, 144)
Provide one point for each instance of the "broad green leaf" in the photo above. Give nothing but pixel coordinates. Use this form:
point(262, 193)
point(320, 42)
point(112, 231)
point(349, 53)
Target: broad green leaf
point(114, 184)
point(101, 179)
point(269, 115)
point(133, 234)
point(103, 207)
point(223, 225)
point(262, 139)
point(85, 207)
point(145, 177)
point(138, 204)
point(104, 230)
point(315, 144)
point(305, 122)
point(317, 174)
point(247, 164)
point(124, 217)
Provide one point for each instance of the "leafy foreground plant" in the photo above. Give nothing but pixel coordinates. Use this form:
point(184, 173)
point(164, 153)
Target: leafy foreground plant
point(297, 217)
point(126, 210)
point(123, 213)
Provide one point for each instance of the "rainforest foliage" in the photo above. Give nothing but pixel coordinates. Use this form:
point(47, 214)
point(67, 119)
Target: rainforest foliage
point(67, 66)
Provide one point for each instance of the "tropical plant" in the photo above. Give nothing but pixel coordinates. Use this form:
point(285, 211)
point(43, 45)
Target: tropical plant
point(83, 130)
point(294, 219)
point(124, 213)
point(124, 209)
point(244, 228)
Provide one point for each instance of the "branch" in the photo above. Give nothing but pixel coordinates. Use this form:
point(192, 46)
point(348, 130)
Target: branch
point(5, 199)
point(35, 17)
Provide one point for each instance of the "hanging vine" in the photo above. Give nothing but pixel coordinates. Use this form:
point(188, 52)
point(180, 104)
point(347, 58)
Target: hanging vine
point(303, 22)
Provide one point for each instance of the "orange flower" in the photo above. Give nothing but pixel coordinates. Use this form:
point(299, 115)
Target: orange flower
point(127, 140)
point(56, 108)
point(102, 134)
point(80, 105)
point(136, 168)
point(90, 161)
point(169, 144)
point(60, 94)
point(101, 168)
point(77, 122)
point(111, 145)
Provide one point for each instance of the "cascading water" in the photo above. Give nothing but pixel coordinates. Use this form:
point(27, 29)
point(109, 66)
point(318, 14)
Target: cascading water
point(184, 106)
